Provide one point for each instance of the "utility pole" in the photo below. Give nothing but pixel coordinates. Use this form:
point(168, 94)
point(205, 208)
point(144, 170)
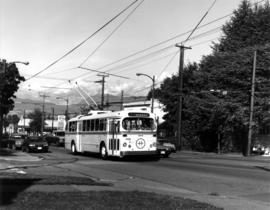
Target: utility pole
point(107, 102)
point(180, 95)
point(122, 100)
point(52, 118)
point(153, 94)
point(251, 123)
point(102, 90)
point(24, 120)
point(43, 117)
point(67, 115)
point(2, 73)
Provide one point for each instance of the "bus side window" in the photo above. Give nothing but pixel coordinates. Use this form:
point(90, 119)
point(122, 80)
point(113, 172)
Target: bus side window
point(101, 124)
point(97, 125)
point(80, 126)
point(92, 125)
point(111, 127)
point(84, 125)
point(105, 125)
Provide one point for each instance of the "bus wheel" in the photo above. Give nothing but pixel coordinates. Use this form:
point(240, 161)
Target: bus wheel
point(73, 149)
point(103, 152)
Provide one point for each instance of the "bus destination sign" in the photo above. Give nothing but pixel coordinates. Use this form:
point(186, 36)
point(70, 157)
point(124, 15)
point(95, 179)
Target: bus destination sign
point(135, 114)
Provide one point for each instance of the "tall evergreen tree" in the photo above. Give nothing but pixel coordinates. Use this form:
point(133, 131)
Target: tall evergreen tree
point(219, 118)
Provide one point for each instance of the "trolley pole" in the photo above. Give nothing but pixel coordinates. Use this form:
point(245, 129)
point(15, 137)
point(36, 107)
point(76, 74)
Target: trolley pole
point(180, 95)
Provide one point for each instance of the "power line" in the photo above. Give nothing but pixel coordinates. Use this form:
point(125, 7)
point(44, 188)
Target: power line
point(104, 72)
point(147, 63)
point(121, 23)
point(166, 66)
point(215, 20)
point(157, 52)
point(177, 36)
point(200, 21)
point(77, 46)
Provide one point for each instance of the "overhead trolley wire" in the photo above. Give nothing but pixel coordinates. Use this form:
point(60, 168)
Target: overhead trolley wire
point(160, 43)
point(77, 46)
point(200, 21)
point(121, 23)
point(157, 52)
point(147, 63)
point(163, 42)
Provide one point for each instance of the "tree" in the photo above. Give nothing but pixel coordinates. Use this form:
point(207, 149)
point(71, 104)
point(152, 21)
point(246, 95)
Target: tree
point(217, 90)
point(9, 84)
point(13, 119)
point(5, 123)
point(249, 26)
point(36, 121)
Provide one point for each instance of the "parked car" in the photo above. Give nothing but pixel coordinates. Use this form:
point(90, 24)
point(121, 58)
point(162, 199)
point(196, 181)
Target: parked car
point(4, 141)
point(166, 143)
point(61, 135)
point(52, 139)
point(16, 140)
point(35, 143)
point(163, 151)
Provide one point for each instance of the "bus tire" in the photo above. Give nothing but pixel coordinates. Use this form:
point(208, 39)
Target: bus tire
point(103, 152)
point(73, 148)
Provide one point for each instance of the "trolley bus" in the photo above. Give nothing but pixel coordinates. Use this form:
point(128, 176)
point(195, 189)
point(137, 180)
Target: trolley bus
point(121, 133)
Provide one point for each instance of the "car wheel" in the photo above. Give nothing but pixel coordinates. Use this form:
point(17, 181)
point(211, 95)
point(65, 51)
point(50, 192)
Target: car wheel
point(73, 149)
point(103, 152)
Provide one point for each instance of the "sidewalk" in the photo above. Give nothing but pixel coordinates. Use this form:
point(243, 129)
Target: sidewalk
point(7, 156)
point(235, 155)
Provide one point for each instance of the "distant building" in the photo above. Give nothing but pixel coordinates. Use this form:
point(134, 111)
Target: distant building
point(23, 125)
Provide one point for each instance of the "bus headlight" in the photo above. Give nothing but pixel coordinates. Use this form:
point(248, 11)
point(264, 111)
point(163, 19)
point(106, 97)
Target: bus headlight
point(125, 144)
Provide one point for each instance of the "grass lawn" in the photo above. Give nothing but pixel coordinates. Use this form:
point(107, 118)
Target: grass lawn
point(13, 196)
point(102, 200)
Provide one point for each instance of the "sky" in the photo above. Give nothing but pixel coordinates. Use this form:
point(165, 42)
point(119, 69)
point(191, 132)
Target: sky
point(42, 31)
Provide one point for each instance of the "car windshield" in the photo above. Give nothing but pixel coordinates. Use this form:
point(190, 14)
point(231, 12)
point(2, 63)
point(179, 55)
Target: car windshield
point(137, 123)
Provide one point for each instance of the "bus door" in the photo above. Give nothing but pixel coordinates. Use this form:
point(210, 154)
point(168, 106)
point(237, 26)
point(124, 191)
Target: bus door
point(78, 137)
point(114, 141)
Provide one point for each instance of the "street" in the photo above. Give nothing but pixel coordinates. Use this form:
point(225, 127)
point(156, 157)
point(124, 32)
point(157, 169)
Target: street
point(226, 181)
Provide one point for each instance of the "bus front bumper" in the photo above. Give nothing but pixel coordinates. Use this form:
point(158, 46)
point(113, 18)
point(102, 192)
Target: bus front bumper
point(138, 153)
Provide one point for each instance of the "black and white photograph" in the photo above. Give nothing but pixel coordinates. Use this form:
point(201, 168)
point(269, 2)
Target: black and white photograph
point(135, 104)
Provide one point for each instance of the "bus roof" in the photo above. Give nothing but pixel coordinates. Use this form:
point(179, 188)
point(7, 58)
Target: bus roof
point(112, 114)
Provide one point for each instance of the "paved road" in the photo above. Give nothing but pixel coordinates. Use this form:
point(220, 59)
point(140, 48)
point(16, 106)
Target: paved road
point(239, 182)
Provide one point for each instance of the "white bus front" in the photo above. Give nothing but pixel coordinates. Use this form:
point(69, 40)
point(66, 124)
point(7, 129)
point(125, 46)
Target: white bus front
point(134, 134)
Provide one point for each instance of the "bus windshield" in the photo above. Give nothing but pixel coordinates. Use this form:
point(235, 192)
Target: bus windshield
point(137, 123)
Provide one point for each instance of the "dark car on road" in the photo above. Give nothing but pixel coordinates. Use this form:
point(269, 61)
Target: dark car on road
point(61, 136)
point(168, 144)
point(4, 141)
point(163, 151)
point(16, 140)
point(35, 144)
point(52, 139)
